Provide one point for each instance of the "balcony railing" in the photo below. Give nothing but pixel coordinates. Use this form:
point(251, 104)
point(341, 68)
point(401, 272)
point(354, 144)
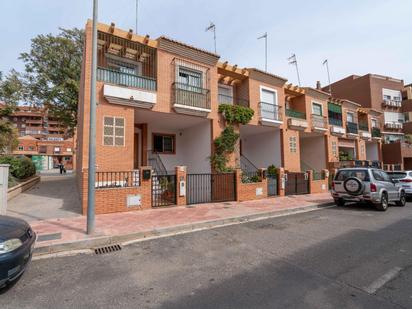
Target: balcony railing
point(295, 114)
point(363, 126)
point(352, 127)
point(191, 96)
point(392, 103)
point(376, 132)
point(319, 121)
point(335, 122)
point(125, 79)
point(270, 111)
point(227, 99)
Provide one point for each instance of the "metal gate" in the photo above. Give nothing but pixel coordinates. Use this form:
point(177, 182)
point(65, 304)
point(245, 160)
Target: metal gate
point(296, 183)
point(272, 185)
point(163, 190)
point(207, 188)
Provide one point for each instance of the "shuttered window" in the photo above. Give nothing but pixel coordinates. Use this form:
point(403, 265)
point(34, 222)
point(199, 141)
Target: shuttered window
point(113, 131)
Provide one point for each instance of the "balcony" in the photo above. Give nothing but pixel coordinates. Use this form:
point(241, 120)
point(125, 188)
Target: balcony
point(295, 114)
point(34, 121)
point(319, 123)
point(226, 99)
point(270, 114)
point(352, 129)
point(335, 122)
point(125, 79)
point(393, 125)
point(392, 103)
point(191, 100)
point(376, 133)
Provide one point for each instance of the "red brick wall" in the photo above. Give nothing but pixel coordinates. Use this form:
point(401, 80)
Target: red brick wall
point(247, 191)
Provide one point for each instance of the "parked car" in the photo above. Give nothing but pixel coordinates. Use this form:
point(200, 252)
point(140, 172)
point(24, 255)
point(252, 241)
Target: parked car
point(369, 185)
point(405, 180)
point(16, 246)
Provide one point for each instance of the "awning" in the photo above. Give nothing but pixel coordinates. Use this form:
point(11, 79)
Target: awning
point(334, 108)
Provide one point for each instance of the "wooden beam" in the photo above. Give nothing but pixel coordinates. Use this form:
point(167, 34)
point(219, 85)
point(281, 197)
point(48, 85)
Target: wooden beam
point(224, 64)
point(234, 68)
point(146, 39)
point(130, 34)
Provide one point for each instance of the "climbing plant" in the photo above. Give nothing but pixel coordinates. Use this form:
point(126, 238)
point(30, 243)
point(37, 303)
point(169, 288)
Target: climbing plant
point(225, 144)
point(236, 113)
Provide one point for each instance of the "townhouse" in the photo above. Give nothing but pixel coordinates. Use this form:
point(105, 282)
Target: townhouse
point(385, 94)
point(163, 115)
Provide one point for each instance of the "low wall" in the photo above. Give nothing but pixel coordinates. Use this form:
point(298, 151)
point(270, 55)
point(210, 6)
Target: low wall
point(21, 187)
point(250, 191)
point(320, 185)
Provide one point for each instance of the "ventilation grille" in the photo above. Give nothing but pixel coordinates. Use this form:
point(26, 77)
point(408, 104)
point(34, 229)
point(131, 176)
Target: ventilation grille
point(107, 249)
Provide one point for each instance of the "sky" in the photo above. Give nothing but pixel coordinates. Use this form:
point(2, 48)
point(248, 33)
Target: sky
point(357, 37)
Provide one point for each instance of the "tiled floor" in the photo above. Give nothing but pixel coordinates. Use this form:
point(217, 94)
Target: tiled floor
point(74, 228)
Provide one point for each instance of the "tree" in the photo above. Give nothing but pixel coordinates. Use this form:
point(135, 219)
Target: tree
point(51, 76)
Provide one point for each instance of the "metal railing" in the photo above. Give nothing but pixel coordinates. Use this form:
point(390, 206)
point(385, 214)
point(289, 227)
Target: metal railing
point(363, 126)
point(319, 121)
point(250, 173)
point(376, 132)
point(125, 79)
point(318, 175)
point(270, 111)
point(156, 163)
point(105, 180)
point(352, 127)
point(191, 95)
point(295, 114)
point(227, 99)
point(336, 122)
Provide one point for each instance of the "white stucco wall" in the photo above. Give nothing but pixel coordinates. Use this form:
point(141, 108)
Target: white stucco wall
point(372, 151)
point(193, 147)
point(313, 152)
point(263, 149)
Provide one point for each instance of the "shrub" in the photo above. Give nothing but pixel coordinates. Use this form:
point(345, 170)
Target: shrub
point(20, 167)
point(236, 113)
point(272, 171)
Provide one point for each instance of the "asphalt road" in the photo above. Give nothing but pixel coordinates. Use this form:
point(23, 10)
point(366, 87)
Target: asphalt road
point(351, 257)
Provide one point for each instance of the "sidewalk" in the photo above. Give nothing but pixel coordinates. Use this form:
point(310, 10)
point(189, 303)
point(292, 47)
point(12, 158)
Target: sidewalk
point(55, 235)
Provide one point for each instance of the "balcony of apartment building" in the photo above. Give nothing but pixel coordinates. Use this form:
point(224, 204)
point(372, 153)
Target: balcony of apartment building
point(352, 129)
point(128, 70)
point(295, 108)
point(34, 121)
point(335, 119)
point(191, 88)
point(363, 125)
point(318, 120)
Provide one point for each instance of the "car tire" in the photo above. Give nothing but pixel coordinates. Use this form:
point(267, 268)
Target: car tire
point(384, 204)
point(353, 186)
point(402, 200)
point(340, 202)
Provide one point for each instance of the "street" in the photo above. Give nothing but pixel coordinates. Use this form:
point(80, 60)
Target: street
point(350, 257)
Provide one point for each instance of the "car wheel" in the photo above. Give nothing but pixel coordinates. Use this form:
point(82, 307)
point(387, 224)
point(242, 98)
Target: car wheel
point(339, 202)
point(383, 205)
point(402, 200)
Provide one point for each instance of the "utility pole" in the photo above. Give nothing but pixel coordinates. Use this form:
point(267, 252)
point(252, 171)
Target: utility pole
point(265, 36)
point(212, 27)
point(137, 13)
point(326, 62)
point(92, 129)
point(292, 60)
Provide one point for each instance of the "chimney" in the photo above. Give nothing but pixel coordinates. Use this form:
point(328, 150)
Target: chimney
point(318, 86)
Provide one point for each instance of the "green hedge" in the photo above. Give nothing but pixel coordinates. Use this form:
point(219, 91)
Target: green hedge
point(20, 167)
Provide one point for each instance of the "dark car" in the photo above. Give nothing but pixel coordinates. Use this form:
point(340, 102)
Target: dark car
point(16, 246)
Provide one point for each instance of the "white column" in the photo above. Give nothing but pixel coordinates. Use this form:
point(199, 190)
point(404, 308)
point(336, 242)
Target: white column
point(4, 184)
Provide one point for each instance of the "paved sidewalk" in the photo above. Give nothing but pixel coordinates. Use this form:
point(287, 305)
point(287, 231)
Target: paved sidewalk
point(70, 233)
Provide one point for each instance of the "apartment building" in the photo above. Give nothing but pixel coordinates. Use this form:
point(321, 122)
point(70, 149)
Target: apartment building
point(158, 116)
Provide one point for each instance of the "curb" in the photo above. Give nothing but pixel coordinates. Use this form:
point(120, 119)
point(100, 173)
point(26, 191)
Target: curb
point(126, 239)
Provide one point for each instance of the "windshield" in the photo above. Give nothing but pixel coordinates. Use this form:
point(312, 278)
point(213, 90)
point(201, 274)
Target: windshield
point(344, 174)
point(396, 175)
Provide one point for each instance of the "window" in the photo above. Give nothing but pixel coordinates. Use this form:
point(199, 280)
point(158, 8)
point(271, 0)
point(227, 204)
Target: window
point(56, 149)
point(268, 96)
point(43, 149)
point(344, 174)
point(374, 123)
point(69, 150)
point(123, 67)
point(21, 148)
point(380, 176)
point(31, 148)
point(113, 131)
point(190, 80)
point(362, 150)
point(350, 117)
point(225, 94)
point(164, 143)
point(292, 144)
point(317, 109)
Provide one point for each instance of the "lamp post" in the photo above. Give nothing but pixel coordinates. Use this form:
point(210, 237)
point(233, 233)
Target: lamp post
point(92, 129)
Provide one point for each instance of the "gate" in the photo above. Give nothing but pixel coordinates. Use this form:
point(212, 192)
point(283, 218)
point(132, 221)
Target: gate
point(296, 183)
point(272, 185)
point(163, 190)
point(207, 188)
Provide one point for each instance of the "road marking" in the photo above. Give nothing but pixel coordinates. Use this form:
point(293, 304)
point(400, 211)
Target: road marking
point(381, 281)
